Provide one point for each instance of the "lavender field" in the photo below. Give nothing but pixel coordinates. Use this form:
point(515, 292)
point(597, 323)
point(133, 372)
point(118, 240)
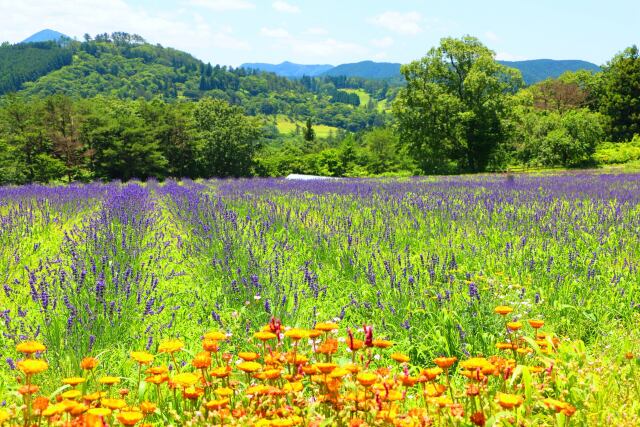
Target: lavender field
point(101, 269)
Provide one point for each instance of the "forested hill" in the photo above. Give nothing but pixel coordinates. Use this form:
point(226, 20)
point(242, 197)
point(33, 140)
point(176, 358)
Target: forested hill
point(125, 66)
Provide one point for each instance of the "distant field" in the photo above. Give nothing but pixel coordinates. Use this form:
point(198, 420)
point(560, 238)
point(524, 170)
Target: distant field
point(287, 126)
point(364, 96)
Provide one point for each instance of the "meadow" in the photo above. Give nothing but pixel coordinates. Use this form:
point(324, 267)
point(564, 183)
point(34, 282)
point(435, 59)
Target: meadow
point(463, 300)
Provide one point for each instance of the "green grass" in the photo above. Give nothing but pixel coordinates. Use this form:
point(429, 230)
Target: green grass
point(287, 126)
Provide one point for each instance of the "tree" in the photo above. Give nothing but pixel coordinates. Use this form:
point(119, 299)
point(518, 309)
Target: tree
point(309, 134)
point(620, 100)
point(452, 111)
point(228, 140)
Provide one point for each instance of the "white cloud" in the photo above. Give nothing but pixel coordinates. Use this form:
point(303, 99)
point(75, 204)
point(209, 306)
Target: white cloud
point(316, 31)
point(222, 5)
point(326, 48)
point(276, 33)
point(409, 23)
point(283, 6)
point(382, 43)
point(506, 56)
point(491, 36)
point(182, 30)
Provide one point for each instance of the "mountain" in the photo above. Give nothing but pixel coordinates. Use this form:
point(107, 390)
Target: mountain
point(532, 71)
point(537, 70)
point(45, 36)
point(289, 69)
point(366, 69)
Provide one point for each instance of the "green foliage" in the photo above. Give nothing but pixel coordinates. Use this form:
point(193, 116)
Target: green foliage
point(621, 95)
point(227, 139)
point(611, 153)
point(451, 114)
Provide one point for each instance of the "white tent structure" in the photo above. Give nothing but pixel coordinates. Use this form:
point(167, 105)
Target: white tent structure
point(298, 177)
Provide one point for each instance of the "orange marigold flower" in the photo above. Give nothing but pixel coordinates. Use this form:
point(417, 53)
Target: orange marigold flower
point(192, 393)
point(28, 389)
point(503, 310)
point(326, 368)
point(382, 343)
point(185, 379)
point(202, 360)
point(265, 335)
point(629, 356)
point(130, 418)
point(330, 346)
point(99, 412)
point(248, 356)
point(506, 346)
point(30, 347)
point(220, 372)
point(142, 357)
point(224, 392)
point(431, 374)
point(400, 358)
point(249, 366)
point(536, 324)
point(514, 326)
point(445, 362)
point(32, 366)
point(326, 327)
point(215, 336)
point(509, 401)
point(367, 379)
point(113, 403)
point(296, 334)
point(89, 363)
point(210, 345)
point(478, 419)
point(355, 344)
point(71, 394)
point(157, 370)
point(214, 405)
point(170, 346)
point(148, 407)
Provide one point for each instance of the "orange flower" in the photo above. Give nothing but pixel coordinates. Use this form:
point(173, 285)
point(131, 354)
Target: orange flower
point(107, 380)
point(400, 358)
point(32, 366)
point(185, 379)
point(509, 401)
point(28, 389)
point(264, 335)
point(39, 404)
point(214, 405)
point(202, 360)
point(89, 363)
point(113, 403)
point(220, 372)
point(157, 370)
point(536, 324)
point(224, 392)
point(249, 366)
point(326, 368)
point(130, 418)
point(445, 362)
point(296, 334)
point(431, 373)
point(366, 379)
point(248, 356)
point(210, 345)
point(148, 407)
point(382, 343)
point(503, 310)
point(215, 336)
point(99, 412)
point(326, 327)
point(192, 393)
point(30, 347)
point(330, 346)
point(142, 357)
point(514, 326)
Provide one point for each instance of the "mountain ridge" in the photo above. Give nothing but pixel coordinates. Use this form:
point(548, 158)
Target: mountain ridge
point(46, 35)
point(533, 70)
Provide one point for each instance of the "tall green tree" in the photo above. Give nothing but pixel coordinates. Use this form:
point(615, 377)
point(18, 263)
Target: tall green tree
point(620, 100)
point(228, 139)
point(309, 133)
point(452, 112)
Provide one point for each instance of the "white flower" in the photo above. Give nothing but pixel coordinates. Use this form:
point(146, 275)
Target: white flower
point(257, 297)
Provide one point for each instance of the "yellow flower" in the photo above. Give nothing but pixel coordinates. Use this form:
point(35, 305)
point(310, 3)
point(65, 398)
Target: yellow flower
point(130, 418)
point(514, 326)
point(400, 358)
point(213, 405)
point(107, 380)
point(224, 392)
point(185, 379)
point(73, 381)
point(248, 356)
point(72, 394)
point(367, 379)
point(445, 362)
point(170, 346)
point(4, 415)
point(142, 357)
point(202, 360)
point(99, 412)
point(296, 334)
point(503, 310)
point(30, 347)
point(249, 366)
point(32, 366)
point(113, 403)
point(148, 407)
point(215, 336)
point(264, 335)
point(536, 324)
point(326, 327)
point(382, 343)
point(509, 401)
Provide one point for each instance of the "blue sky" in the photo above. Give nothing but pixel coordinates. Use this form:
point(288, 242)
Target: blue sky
point(338, 31)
